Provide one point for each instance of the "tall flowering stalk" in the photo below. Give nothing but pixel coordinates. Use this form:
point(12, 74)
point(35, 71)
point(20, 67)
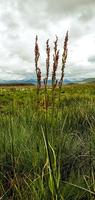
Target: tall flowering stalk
point(47, 72)
point(38, 71)
point(37, 55)
point(39, 77)
point(55, 66)
point(55, 62)
point(47, 60)
point(64, 58)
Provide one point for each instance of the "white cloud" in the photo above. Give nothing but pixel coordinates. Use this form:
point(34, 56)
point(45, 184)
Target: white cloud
point(21, 20)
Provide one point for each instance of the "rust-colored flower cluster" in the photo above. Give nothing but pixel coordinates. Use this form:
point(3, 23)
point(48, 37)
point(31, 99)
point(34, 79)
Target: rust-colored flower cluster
point(47, 60)
point(37, 55)
point(64, 58)
point(39, 76)
point(55, 62)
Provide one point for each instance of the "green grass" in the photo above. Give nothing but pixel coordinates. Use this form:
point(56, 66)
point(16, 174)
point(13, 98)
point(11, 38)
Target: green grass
point(47, 155)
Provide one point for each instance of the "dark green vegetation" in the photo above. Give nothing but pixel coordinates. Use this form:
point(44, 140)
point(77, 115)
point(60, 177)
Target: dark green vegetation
point(47, 153)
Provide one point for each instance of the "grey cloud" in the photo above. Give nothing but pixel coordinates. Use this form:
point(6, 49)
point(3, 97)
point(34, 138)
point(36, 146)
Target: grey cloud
point(10, 21)
point(91, 59)
point(80, 12)
point(39, 14)
point(21, 20)
point(86, 15)
point(33, 13)
point(69, 6)
point(22, 13)
point(13, 73)
point(79, 72)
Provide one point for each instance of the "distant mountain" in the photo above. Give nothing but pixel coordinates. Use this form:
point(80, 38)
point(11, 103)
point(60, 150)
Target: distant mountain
point(33, 81)
point(89, 80)
point(66, 81)
point(29, 81)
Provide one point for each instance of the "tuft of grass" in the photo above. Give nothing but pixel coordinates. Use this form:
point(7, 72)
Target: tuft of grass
point(25, 170)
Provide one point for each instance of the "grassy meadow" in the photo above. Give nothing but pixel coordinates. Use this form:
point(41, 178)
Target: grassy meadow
point(47, 143)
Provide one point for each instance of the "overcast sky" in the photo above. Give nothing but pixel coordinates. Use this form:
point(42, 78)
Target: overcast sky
point(22, 20)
